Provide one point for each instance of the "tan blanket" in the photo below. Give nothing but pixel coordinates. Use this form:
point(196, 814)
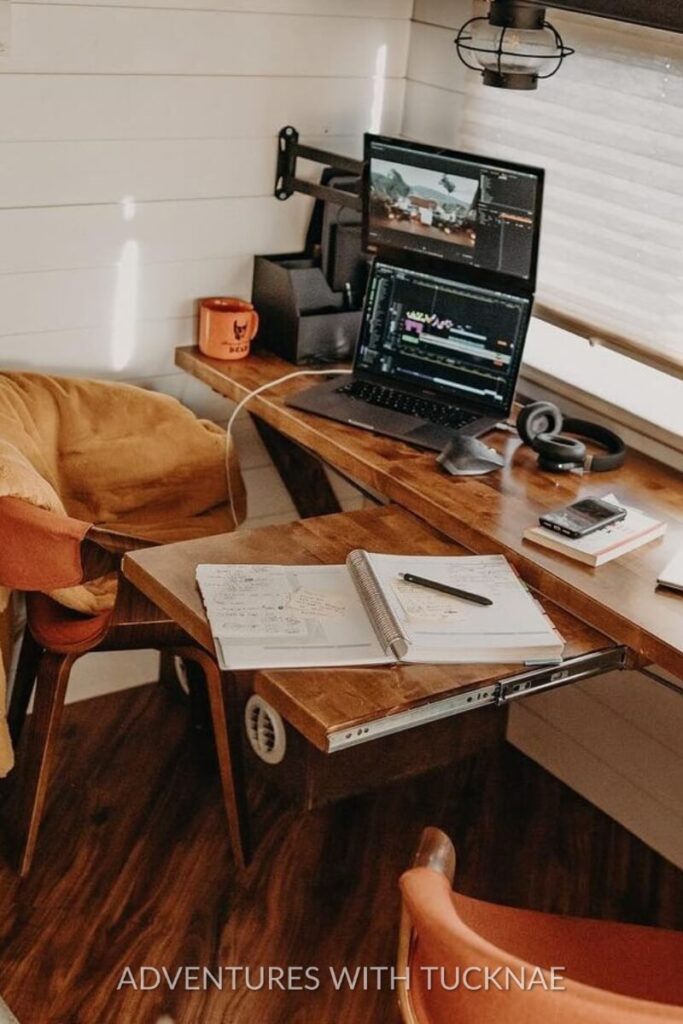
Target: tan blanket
point(114, 455)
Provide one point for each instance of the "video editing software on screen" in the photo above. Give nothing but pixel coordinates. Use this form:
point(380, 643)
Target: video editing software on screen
point(443, 334)
point(452, 207)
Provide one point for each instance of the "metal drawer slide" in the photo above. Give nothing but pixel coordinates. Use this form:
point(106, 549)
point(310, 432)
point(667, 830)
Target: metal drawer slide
point(540, 679)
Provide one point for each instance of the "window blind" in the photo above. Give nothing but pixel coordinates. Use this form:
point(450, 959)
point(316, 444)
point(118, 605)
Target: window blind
point(608, 128)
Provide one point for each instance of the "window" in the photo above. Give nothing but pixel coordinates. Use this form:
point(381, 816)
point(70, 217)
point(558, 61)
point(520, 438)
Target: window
point(608, 128)
point(622, 391)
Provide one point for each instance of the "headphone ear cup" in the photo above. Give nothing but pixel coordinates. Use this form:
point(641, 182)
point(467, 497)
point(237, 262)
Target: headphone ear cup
point(615, 449)
point(558, 452)
point(538, 418)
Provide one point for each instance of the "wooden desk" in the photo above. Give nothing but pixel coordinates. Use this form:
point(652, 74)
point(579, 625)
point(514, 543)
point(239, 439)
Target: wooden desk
point(379, 724)
point(489, 514)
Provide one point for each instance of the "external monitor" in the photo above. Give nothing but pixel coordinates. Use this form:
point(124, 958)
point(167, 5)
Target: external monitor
point(469, 210)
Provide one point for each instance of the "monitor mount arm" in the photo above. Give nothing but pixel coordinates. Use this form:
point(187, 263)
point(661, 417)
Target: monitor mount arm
point(286, 181)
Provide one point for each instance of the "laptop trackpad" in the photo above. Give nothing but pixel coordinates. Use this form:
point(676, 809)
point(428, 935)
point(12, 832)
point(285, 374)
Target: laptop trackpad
point(430, 434)
point(376, 418)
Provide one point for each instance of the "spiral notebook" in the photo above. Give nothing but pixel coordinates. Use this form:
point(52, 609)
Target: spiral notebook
point(364, 613)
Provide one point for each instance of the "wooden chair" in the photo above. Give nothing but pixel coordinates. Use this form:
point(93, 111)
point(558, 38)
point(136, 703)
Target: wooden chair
point(71, 552)
point(611, 973)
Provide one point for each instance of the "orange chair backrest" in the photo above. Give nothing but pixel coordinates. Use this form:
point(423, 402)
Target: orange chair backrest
point(39, 550)
point(459, 977)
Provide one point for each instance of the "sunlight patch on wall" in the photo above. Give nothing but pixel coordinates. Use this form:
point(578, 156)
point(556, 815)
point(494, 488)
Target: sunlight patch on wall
point(378, 89)
point(128, 208)
point(5, 27)
point(125, 306)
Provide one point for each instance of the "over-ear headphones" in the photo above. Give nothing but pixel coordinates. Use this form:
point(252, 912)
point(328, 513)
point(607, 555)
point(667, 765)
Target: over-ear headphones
point(542, 426)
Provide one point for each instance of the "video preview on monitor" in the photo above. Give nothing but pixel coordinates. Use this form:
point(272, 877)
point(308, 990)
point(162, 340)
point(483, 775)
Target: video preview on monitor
point(458, 208)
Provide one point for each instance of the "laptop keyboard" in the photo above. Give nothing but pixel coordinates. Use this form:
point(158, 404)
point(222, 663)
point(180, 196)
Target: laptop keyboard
point(410, 405)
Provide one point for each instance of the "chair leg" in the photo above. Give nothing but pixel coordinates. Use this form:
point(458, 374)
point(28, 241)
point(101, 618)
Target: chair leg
point(190, 690)
point(37, 755)
point(27, 668)
point(228, 750)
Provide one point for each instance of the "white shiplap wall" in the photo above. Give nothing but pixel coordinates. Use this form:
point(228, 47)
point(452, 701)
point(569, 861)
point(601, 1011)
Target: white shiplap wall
point(615, 739)
point(137, 158)
point(137, 163)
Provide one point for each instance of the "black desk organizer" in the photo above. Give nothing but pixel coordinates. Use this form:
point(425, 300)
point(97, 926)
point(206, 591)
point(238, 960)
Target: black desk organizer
point(302, 319)
point(310, 302)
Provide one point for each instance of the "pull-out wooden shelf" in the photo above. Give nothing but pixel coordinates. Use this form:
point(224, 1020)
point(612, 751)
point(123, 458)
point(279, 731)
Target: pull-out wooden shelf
point(339, 708)
point(348, 731)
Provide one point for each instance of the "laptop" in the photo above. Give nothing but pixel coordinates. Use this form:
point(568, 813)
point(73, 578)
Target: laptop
point(448, 298)
point(434, 356)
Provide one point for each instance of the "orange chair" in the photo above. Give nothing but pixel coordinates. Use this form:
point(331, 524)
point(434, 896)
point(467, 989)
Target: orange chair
point(470, 962)
point(71, 552)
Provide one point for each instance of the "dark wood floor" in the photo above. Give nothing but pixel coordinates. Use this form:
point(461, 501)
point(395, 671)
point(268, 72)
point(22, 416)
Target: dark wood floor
point(133, 869)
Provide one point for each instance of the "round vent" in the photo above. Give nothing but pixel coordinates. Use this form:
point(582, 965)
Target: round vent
point(265, 730)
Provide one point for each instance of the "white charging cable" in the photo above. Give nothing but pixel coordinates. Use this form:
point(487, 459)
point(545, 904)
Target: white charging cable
point(238, 408)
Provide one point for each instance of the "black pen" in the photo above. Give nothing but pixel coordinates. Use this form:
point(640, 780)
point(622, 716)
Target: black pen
point(443, 588)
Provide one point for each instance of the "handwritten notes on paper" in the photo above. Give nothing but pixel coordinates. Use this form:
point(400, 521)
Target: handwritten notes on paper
point(248, 602)
point(293, 616)
point(489, 576)
point(259, 623)
point(427, 605)
point(316, 604)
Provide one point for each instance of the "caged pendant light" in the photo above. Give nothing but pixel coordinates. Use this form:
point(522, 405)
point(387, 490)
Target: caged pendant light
point(513, 47)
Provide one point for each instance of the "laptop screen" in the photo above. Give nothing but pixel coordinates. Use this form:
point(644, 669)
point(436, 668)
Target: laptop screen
point(442, 336)
point(471, 210)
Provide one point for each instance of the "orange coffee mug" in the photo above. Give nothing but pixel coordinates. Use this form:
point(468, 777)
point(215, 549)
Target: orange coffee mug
point(226, 327)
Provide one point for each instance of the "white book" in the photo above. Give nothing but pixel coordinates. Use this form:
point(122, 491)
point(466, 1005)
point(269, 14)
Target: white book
point(364, 613)
point(672, 573)
point(603, 545)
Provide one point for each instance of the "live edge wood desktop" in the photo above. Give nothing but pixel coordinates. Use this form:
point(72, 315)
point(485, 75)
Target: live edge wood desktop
point(487, 514)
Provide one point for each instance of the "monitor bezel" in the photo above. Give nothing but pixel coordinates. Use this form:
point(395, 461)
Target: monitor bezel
point(440, 268)
point(475, 275)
